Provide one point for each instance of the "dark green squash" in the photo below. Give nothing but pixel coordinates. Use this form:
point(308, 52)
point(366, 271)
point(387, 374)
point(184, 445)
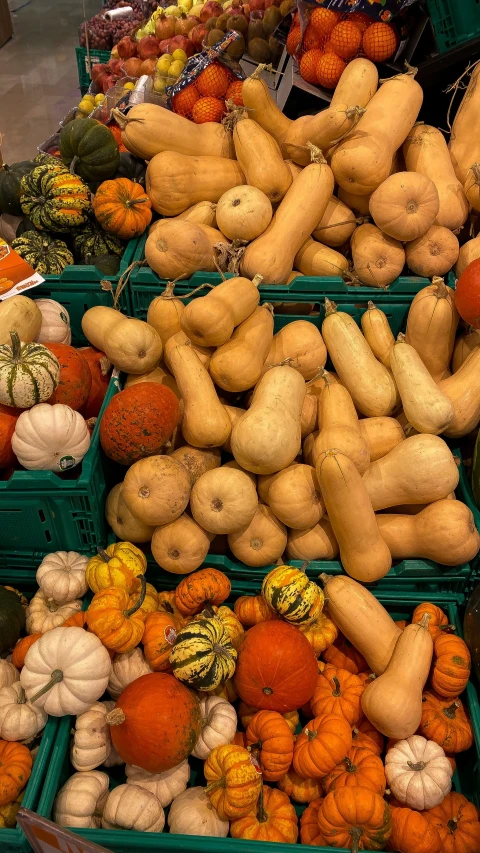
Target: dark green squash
point(10, 178)
point(107, 264)
point(54, 199)
point(131, 167)
point(24, 225)
point(12, 618)
point(91, 240)
point(89, 149)
point(45, 255)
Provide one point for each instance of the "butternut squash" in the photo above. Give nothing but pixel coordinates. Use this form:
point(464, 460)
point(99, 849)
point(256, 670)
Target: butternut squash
point(158, 374)
point(464, 345)
point(444, 532)
point(213, 235)
point(203, 213)
point(426, 152)
point(205, 422)
point(317, 543)
point(210, 320)
point(308, 423)
point(262, 108)
point(260, 159)
point(177, 249)
point(434, 253)
point(378, 334)
point(427, 409)
point(237, 365)
point(360, 204)
point(362, 619)
point(294, 169)
point(149, 129)
point(464, 143)
point(234, 413)
point(301, 343)
point(314, 259)
point(308, 449)
point(463, 390)
point(223, 500)
point(243, 213)
point(339, 426)
point(405, 205)
point(181, 546)
point(294, 497)
point(175, 181)
point(337, 223)
point(272, 254)
point(469, 252)
point(393, 702)
point(203, 353)
point(369, 382)
point(262, 542)
point(357, 85)
point(197, 461)
point(363, 553)
point(381, 435)
point(316, 386)
point(431, 326)
point(267, 437)
point(419, 470)
point(363, 161)
point(322, 130)
point(97, 322)
point(164, 313)
point(377, 259)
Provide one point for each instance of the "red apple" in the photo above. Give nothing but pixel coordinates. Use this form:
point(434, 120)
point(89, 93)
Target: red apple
point(211, 10)
point(148, 47)
point(127, 48)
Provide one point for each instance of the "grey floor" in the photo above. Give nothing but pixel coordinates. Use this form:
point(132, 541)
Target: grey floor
point(38, 73)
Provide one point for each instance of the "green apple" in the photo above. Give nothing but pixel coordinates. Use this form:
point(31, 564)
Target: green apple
point(176, 69)
point(163, 65)
point(180, 54)
point(159, 85)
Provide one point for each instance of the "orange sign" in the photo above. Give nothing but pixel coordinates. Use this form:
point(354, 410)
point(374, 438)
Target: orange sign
point(46, 837)
point(15, 274)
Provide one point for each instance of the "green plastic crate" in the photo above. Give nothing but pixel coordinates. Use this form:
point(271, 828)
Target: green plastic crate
point(464, 781)
point(84, 78)
point(454, 22)
point(41, 511)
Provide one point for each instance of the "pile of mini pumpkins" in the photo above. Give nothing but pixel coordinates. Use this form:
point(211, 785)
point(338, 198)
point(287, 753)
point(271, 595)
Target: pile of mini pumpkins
point(189, 656)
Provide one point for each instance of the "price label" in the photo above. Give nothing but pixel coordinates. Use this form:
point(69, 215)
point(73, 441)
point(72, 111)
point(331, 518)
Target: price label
point(46, 837)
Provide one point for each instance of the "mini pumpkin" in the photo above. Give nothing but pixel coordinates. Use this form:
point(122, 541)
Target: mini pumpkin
point(123, 208)
point(366, 735)
point(53, 199)
point(246, 712)
point(231, 624)
point(8, 673)
point(233, 781)
point(321, 633)
point(456, 821)
point(445, 722)
point(418, 772)
point(75, 378)
point(207, 586)
point(191, 813)
point(133, 808)
point(50, 438)
point(438, 622)
point(158, 638)
point(299, 789)
point(355, 818)
point(309, 831)
point(451, 667)
point(117, 565)
point(115, 620)
point(270, 739)
point(323, 743)
point(43, 613)
point(253, 609)
point(412, 833)
point(338, 691)
point(80, 802)
point(19, 719)
point(290, 593)
point(360, 767)
point(22, 647)
point(219, 724)
point(29, 373)
point(125, 669)
point(61, 576)
point(203, 655)
point(15, 769)
point(166, 786)
point(273, 819)
point(344, 655)
point(92, 744)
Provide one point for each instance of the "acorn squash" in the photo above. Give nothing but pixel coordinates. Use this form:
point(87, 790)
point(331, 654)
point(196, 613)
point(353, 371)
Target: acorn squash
point(10, 178)
point(91, 241)
point(45, 255)
point(89, 149)
point(12, 618)
point(54, 199)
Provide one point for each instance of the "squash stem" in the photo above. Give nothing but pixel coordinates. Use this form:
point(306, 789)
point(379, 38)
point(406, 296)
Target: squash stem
point(140, 600)
point(132, 201)
point(330, 307)
point(452, 824)
point(56, 678)
point(115, 717)
point(310, 733)
point(420, 765)
point(337, 692)
point(262, 815)
point(103, 554)
point(356, 833)
point(450, 712)
point(425, 620)
point(213, 786)
point(349, 765)
point(16, 348)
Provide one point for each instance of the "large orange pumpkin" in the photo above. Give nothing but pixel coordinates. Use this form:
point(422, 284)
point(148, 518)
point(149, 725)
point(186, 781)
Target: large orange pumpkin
point(123, 208)
point(138, 421)
point(155, 723)
point(8, 419)
point(276, 667)
point(411, 833)
point(456, 821)
point(100, 369)
point(75, 377)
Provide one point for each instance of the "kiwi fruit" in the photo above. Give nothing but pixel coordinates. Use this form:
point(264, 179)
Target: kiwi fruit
point(255, 30)
point(211, 24)
point(222, 21)
point(214, 36)
point(286, 6)
point(271, 19)
point(259, 50)
point(237, 48)
point(275, 47)
point(238, 23)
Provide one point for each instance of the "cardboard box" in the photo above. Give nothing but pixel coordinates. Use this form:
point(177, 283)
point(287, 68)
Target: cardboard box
point(6, 27)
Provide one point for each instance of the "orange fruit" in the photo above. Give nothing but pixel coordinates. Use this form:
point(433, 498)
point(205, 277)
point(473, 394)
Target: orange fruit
point(182, 102)
point(308, 64)
point(311, 39)
point(346, 39)
point(323, 21)
point(361, 20)
point(213, 80)
point(379, 42)
point(293, 40)
point(328, 47)
point(208, 109)
point(234, 93)
point(329, 70)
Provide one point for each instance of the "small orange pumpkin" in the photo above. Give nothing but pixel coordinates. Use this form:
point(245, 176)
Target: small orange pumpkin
point(360, 767)
point(273, 819)
point(78, 620)
point(233, 781)
point(445, 722)
point(456, 821)
point(195, 591)
point(269, 736)
point(323, 743)
point(15, 769)
point(22, 647)
point(344, 655)
point(246, 712)
point(321, 634)
point(366, 735)
point(166, 602)
point(355, 818)
point(299, 789)
point(149, 603)
point(117, 624)
point(158, 638)
point(411, 833)
point(239, 739)
point(123, 208)
point(338, 691)
point(252, 609)
point(309, 831)
point(75, 377)
point(438, 622)
point(451, 668)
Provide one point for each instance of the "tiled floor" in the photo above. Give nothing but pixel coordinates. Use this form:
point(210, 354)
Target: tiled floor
point(38, 73)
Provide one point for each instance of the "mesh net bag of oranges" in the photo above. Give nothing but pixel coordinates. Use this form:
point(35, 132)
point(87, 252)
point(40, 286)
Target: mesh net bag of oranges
point(207, 82)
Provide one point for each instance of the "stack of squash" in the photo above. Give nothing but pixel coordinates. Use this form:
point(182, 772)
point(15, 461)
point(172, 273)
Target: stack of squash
point(251, 439)
point(358, 190)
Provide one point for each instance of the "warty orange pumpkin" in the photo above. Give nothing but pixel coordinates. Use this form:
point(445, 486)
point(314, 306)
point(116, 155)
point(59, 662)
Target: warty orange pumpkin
point(451, 665)
point(355, 818)
point(412, 833)
point(299, 789)
point(338, 691)
point(207, 586)
point(233, 781)
point(323, 743)
point(456, 821)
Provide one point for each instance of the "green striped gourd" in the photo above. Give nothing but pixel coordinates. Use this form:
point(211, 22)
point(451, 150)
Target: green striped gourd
point(203, 655)
point(45, 255)
point(290, 593)
point(91, 241)
point(29, 373)
point(53, 199)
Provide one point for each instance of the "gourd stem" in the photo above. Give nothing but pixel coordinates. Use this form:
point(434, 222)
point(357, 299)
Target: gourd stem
point(74, 162)
point(356, 833)
point(315, 153)
point(133, 201)
point(309, 733)
point(222, 651)
point(103, 554)
point(425, 620)
point(441, 291)
point(330, 307)
point(450, 712)
point(121, 119)
point(262, 815)
point(337, 692)
point(219, 783)
point(56, 678)
point(324, 578)
point(15, 345)
point(420, 765)
point(115, 717)
point(350, 767)
point(140, 601)
point(452, 824)
point(257, 279)
point(400, 338)
point(255, 747)
point(304, 566)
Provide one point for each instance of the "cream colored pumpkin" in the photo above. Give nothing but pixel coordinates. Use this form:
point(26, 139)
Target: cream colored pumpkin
point(181, 546)
point(262, 542)
point(191, 813)
point(223, 500)
point(8, 673)
point(55, 326)
point(418, 773)
point(124, 524)
point(50, 438)
point(377, 258)
point(166, 786)
point(80, 802)
point(316, 543)
point(405, 205)
point(65, 671)
point(126, 667)
point(61, 576)
point(92, 744)
point(156, 489)
point(132, 807)
point(433, 253)
point(19, 719)
point(219, 724)
point(243, 213)
point(43, 613)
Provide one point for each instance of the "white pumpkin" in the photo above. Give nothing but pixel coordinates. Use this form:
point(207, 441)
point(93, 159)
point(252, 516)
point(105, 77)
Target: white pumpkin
point(113, 759)
point(126, 667)
point(80, 802)
point(9, 673)
point(418, 772)
point(43, 613)
point(66, 671)
point(50, 438)
point(61, 576)
point(19, 719)
point(191, 813)
point(131, 807)
point(92, 744)
point(166, 786)
point(219, 724)
point(55, 326)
